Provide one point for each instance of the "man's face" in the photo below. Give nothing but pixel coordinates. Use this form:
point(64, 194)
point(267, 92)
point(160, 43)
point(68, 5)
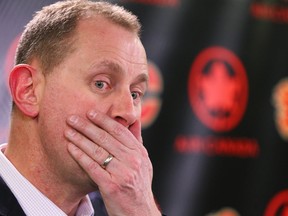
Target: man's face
point(107, 72)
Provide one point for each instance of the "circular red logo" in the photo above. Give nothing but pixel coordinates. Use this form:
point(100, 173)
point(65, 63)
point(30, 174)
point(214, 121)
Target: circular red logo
point(278, 205)
point(152, 102)
point(280, 98)
point(218, 88)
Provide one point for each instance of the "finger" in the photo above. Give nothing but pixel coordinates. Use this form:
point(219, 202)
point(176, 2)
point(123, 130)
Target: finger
point(109, 143)
point(92, 168)
point(136, 130)
point(102, 177)
point(117, 130)
point(96, 135)
point(95, 151)
point(122, 134)
point(114, 188)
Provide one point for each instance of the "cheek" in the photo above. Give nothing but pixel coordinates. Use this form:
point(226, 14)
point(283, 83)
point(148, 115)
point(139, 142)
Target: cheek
point(56, 106)
point(52, 116)
point(62, 101)
point(59, 103)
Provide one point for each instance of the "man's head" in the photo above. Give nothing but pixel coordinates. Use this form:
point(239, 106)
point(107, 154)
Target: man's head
point(50, 35)
point(75, 56)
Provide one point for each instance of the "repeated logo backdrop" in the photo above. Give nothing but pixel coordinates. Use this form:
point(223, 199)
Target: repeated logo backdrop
point(215, 118)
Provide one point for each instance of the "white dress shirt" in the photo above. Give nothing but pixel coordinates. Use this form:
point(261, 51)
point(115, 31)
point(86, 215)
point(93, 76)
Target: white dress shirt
point(32, 201)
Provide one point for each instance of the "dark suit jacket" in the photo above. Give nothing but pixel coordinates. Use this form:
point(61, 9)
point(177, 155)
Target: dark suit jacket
point(9, 205)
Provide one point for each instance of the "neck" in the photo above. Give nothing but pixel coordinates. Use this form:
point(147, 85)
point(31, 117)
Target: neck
point(25, 152)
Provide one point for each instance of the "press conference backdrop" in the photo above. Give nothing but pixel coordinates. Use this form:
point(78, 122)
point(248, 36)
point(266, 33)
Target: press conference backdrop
point(215, 118)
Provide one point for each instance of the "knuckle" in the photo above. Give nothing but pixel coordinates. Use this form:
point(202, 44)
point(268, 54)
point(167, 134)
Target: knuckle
point(137, 163)
point(103, 137)
point(118, 130)
point(79, 155)
point(129, 178)
point(98, 151)
point(77, 137)
point(145, 153)
point(92, 166)
point(114, 188)
point(150, 167)
point(81, 124)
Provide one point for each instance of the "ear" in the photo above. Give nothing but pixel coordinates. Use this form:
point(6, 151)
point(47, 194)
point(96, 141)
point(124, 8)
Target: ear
point(23, 82)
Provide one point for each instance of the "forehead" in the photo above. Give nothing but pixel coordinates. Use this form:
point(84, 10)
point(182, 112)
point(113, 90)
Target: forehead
point(101, 33)
point(99, 41)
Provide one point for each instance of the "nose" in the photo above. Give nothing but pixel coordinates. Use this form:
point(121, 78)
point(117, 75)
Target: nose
point(123, 109)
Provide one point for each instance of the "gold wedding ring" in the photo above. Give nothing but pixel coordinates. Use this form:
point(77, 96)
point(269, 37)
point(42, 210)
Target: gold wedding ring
point(107, 161)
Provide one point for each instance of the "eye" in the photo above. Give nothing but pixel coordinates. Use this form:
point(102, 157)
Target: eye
point(136, 95)
point(100, 84)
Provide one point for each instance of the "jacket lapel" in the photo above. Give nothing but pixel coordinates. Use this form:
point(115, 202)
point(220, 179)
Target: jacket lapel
point(9, 205)
point(98, 204)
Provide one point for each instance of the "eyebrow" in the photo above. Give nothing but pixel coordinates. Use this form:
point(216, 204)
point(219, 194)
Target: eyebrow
point(110, 65)
point(113, 66)
point(142, 78)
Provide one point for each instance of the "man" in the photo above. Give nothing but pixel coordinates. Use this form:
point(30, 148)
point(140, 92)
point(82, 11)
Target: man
point(80, 73)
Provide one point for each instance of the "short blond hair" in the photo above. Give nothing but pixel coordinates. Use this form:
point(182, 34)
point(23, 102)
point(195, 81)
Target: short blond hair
point(48, 37)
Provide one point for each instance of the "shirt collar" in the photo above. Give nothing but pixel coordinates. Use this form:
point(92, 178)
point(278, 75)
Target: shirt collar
point(29, 197)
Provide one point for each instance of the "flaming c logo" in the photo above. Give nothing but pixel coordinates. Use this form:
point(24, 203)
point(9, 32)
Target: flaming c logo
point(152, 101)
point(218, 88)
point(278, 205)
point(280, 101)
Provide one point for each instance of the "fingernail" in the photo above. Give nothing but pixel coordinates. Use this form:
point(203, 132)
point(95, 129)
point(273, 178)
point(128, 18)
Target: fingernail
point(92, 114)
point(73, 119)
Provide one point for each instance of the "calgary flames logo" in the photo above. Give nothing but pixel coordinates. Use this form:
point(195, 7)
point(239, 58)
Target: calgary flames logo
point(280, 101)
point(218, 88)
point(152, 101)
point(278, 206)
